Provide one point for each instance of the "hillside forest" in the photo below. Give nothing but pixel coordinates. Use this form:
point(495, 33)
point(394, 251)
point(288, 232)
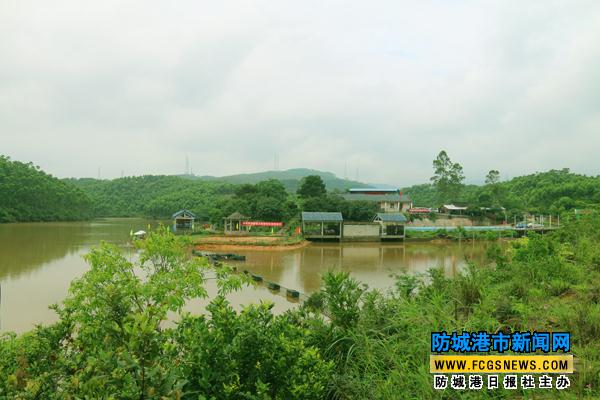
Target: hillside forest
point(29, 194)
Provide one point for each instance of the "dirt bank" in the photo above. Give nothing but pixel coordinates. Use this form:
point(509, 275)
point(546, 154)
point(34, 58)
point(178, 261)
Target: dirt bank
point(268, 243)
point(233, 247)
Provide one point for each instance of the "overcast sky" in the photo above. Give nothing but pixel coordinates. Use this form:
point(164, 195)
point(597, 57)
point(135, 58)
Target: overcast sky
point(379, 86)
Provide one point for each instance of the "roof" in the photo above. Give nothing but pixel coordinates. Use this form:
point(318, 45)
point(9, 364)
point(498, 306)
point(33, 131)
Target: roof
point(453, 207)
point(382, 190)
point(237, 215)
point(183, 213)
point(322, 216)
point(390, 217)
point(377, 197)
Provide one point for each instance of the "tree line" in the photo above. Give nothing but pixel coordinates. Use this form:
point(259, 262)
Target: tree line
point(29, 194)
point(553, 191)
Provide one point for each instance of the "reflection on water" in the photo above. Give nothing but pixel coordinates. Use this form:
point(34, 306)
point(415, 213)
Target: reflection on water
point(39, 260)
point(370, 263)
point(27, 247)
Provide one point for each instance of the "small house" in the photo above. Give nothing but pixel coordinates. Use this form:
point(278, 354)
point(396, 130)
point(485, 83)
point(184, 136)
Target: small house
point(391, 225)
point(183, 220)
point(322, 225)
point(453, 210)
point(233, 224)
point(389, 200)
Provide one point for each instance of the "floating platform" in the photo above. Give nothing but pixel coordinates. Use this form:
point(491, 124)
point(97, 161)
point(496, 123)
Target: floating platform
point(219, 256)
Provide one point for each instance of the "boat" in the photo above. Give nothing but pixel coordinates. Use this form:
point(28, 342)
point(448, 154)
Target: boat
point(139, 235)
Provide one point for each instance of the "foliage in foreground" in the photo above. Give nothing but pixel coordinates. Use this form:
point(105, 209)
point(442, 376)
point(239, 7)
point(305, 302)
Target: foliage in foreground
point(110, 341)
point(345, 342)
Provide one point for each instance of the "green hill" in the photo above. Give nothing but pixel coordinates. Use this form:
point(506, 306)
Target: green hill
point(161, 195)
point(152, 195)
point(290, 178)
point(29, 194)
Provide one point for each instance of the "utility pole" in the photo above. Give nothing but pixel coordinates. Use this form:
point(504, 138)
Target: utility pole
point(346, 170)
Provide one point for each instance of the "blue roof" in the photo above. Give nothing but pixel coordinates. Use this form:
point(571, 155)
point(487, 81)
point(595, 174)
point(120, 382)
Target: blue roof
point(394, 197)
point(390, 217)
point(183, 213)
point(322, 216)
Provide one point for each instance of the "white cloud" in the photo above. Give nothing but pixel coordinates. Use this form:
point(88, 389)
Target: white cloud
point(381, 86)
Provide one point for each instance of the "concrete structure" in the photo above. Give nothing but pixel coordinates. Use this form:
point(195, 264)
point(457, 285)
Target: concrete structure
point(357, 231)
point(183, 220)
point(389, 200)
point(322, 225)
point(330, 225)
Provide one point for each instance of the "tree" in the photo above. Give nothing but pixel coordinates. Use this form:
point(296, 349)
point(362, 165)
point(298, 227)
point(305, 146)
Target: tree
point(358, 210)
point(492, 177)
point(311, 186)
point(491, 180)
point(447, 178)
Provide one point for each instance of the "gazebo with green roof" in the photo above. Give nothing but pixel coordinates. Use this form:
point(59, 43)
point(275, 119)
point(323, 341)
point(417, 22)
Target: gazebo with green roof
point(392, 225)
point(233, 224)
point(322, 225)
point(183, 220)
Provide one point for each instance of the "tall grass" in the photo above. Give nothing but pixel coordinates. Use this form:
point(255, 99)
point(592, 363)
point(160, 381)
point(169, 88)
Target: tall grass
point(544, 283)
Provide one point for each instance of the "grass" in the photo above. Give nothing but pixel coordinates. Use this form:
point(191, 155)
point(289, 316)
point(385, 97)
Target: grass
point(543, 283)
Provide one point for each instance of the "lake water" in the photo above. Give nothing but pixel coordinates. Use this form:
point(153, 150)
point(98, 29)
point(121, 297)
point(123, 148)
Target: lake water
point(39, 260)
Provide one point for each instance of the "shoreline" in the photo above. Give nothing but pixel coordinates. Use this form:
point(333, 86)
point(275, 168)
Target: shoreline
point(251, 243)
point(229, 243)
point(249, 247)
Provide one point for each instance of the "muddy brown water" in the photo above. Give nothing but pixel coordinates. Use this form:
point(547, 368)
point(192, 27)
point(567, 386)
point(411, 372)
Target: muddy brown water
point(39, 260)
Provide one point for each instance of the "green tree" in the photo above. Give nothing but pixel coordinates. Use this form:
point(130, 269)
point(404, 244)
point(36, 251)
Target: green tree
point(358, 210)
point(492, 182)
point(492, 177)
point(447, 178)
point(312, 186)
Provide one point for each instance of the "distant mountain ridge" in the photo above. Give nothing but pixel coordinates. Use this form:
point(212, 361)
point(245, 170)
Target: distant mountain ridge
point(290, 178)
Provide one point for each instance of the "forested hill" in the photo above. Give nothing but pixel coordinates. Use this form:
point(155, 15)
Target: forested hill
point(29, 194)
point(153, 195)
point(208, 197)
point(289, 178)
point(543, 192)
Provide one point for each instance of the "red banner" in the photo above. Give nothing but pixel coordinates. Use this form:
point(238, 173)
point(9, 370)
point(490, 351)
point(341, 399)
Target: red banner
point(261, 223)
point(417, 210)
